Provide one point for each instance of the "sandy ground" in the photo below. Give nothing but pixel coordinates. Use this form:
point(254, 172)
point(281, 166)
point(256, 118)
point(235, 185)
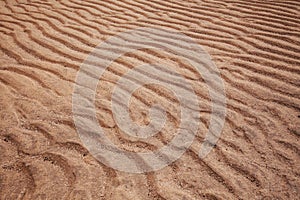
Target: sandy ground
point(255, 45)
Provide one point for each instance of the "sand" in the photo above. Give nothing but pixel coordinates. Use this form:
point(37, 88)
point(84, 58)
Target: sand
point(254, 44)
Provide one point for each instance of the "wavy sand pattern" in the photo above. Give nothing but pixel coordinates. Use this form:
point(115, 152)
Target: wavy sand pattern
point(256, 46)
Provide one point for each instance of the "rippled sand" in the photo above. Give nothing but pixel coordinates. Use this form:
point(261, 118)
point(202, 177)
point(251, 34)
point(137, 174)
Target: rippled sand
point(255, 45)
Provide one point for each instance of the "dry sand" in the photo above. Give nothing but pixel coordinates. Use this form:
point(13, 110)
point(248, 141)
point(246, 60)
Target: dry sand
point(255, 45)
